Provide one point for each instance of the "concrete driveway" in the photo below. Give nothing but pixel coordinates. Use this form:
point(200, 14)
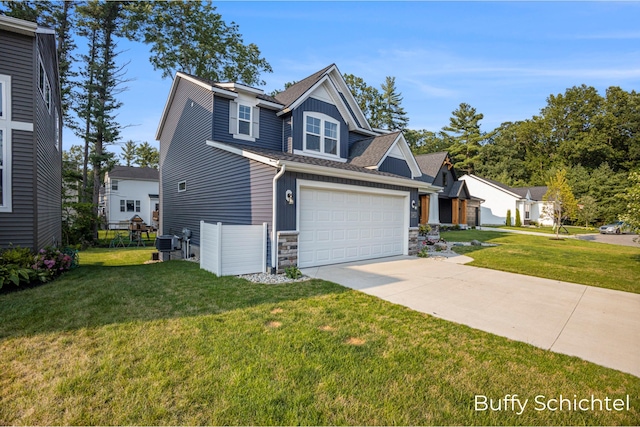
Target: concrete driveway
point(598, 325)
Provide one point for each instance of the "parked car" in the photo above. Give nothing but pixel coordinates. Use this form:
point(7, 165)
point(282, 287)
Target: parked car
point(618, 227)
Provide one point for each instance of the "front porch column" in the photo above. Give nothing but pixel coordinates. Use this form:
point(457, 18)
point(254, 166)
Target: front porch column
point(434, 211)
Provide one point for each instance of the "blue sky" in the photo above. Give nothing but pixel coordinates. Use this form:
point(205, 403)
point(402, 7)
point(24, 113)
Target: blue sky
point(503, 58)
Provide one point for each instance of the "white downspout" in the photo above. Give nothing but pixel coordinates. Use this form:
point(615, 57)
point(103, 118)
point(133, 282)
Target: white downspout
point(274, 243)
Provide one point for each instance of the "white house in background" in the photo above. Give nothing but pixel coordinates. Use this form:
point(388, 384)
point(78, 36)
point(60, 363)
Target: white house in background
point(500, 197)
point(130, 191)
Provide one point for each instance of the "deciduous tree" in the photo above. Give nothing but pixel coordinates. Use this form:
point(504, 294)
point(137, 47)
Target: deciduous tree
point(561, 202)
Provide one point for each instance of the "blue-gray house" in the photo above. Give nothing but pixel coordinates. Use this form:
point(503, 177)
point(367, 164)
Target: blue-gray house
point(306, 162)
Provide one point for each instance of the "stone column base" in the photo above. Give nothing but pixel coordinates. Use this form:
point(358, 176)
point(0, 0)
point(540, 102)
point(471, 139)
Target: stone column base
point(287, 250)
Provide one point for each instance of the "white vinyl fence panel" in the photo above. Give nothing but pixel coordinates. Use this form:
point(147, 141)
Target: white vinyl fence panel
point(233, 249)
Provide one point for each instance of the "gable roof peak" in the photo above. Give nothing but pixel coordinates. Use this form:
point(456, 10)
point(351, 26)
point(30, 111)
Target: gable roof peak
point(296, 90)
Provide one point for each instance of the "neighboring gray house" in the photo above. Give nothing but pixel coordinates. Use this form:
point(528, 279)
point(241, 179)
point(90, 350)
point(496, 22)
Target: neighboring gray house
point(306, 162)
point(454, 204)
point(30, 136)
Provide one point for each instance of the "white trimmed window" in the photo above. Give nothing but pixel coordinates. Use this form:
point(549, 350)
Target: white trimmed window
point(58, 135)
point(244, 121)
point(3, 179)
point(114, 185)
point(5, 143)
point(182, 186)
point(321, 135)
point(527, 211)
point(123, 207)
point(3, 101)
point(43, 85)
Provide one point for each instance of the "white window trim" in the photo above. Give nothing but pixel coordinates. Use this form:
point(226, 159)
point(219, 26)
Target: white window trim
point(3, 98)
point(46, 90)
point(320, 154)
point(234, 119)
point(58, 135)
point(5, 172)
point(180, 184)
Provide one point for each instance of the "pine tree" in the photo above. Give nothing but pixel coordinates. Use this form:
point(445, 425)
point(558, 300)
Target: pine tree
point(392, 116)
point(129, 152)
point(147, 156)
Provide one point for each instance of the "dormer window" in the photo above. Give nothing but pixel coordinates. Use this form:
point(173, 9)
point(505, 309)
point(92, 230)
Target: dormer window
point(244, 121)
point(321, 135)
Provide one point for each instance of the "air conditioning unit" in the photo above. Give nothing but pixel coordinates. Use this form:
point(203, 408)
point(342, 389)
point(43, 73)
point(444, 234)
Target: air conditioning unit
point(165, 243)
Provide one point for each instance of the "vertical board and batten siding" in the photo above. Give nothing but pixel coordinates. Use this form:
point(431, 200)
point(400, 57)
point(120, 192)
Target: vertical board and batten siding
point(220, 186)
point(17, 58)
point(395, 166)
point(286, 215)
point(355, 136)
point(318, 106)
point(49, 157)
point(270, 127)
point(233, 249)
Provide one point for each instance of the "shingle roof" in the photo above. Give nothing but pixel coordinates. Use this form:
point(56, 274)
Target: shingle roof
point(369, 151)
point(430, 165)
point(132, 172)
point(295, 91)
point(279, 155)
point(230, 89)
point(537, 193)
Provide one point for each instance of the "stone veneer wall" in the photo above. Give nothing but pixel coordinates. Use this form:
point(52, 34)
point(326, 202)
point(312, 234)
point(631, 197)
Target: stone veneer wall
point(287, 250)
point(413, 241)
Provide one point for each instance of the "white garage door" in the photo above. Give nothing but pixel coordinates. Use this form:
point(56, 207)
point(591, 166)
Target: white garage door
point(341, 226)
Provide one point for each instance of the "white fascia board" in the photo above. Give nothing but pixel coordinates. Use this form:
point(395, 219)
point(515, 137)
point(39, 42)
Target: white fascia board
point(360, 176)
point(402, 145)
point(494, 186)
point(339, 103)
point(19, 26)
point(243, 153)
point(268, 104)
point(241, 87)
point(339, 81)
point(172, 92)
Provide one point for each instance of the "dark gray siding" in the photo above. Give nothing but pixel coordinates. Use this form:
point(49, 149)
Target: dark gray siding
point(17, 60)
point(355, 136)
point(220, 186)
point(286, 215)
point(318, 106)
point(396, 166)
point(49, 157)
point(270, 127)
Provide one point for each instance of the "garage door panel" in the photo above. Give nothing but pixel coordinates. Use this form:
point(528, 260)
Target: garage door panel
point(340, 226)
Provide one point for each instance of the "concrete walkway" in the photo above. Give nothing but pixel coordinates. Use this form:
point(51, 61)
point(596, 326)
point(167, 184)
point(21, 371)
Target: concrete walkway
point(598, 325)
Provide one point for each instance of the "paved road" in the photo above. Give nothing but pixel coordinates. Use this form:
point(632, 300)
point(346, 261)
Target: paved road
point(598, 325)
point(613, 239)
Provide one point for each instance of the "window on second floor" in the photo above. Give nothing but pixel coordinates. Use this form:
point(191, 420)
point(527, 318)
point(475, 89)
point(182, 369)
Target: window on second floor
point(321, 135)
point(2, 101)
point(114, 185)
point(43, 85)
point(244, 121)
point(444, 178)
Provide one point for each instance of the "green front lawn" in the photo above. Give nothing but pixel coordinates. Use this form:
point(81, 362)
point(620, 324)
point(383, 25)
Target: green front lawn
point(168, 343)
point(571, 229)
point(570, 260)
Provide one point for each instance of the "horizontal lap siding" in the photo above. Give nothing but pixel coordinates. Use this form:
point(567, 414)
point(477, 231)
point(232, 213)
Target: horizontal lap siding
point(17, 227)
point(221, 187)
point(49, 157)
point(17, 59)
point(287, 213)
point(270, 127)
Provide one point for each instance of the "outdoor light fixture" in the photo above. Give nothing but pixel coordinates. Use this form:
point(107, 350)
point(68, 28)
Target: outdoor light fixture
point(414, 205)
point(289, 197)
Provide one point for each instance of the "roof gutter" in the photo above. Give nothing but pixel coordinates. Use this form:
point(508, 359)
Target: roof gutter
point(360, 176)
point(274, 237)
